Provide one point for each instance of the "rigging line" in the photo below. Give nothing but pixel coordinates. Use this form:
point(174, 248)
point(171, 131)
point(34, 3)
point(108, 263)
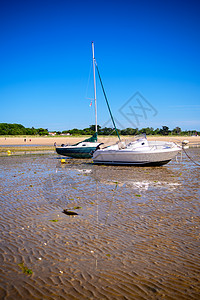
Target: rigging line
point(111, 132)
point(107, 101)
point(190, 157)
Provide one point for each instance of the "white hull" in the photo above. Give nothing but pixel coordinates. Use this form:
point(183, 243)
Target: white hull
point(139, 152)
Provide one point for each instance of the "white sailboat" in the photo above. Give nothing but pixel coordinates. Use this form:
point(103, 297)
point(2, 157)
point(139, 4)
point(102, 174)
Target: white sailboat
point(140, 152)
point(136, 152)
point(84, 148)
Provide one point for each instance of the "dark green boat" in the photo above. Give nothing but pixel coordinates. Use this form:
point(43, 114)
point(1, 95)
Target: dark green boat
point(82, 149)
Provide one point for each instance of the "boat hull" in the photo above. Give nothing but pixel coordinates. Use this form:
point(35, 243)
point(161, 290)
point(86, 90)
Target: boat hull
point(136, 158)
point(132, 163)
point(76, 152)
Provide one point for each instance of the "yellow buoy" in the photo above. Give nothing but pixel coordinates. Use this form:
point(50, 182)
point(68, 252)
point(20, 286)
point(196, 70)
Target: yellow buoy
point(9, 152)
point(62, 161)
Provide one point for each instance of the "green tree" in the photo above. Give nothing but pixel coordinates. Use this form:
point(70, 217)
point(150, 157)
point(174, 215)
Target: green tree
point(93, 128)
point(176, 130)
point(12, 129)
point(165, 130)
point(129, 131)
point(75, 131)
point(42, 131)
point(156, 131)
point(147, 130)
point(106, 131)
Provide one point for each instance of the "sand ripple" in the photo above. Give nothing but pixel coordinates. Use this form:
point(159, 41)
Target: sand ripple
point(136, 235)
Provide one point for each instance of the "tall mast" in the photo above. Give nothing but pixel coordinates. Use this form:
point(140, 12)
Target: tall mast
point(107, 101)
point(95, 98)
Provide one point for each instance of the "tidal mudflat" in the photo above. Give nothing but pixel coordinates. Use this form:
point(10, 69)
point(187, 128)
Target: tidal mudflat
point(136, 234)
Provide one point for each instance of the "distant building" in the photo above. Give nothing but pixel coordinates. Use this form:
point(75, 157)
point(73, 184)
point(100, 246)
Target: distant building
point(66, 133)
point(55, 133)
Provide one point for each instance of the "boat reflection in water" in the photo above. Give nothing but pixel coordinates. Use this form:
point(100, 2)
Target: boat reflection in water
point(136, 178)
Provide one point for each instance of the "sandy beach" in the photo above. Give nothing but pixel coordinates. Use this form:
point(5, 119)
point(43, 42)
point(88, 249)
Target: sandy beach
point(107, 140)
point(40, 145)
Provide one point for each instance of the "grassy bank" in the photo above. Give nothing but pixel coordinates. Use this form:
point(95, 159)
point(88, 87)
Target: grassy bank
point(14, 149)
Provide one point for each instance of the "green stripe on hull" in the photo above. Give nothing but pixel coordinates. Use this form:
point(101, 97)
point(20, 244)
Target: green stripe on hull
point(76, 153)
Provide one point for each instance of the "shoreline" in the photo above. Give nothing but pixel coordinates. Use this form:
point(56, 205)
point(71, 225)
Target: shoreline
point(42, 145)
point(107, 140)
point(49, 141)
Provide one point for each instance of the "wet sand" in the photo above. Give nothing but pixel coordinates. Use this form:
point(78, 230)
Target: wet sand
point(136, 235)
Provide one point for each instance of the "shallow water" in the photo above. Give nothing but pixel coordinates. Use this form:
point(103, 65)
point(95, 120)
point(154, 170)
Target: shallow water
point(136, 235)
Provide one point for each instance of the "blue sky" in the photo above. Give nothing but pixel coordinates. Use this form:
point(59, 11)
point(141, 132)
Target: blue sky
point(145, 48)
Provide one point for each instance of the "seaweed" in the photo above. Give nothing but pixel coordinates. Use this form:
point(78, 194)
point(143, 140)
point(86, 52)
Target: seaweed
point(25, 269)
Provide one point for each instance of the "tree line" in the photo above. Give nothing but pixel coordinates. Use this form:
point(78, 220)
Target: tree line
point(18, 129)
point(131, 131)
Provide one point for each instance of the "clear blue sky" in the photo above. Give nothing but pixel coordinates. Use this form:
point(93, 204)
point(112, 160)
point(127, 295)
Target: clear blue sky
point(150, 47)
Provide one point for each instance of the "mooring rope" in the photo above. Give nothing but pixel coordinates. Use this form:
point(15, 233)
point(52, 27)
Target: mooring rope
point(190, 157)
